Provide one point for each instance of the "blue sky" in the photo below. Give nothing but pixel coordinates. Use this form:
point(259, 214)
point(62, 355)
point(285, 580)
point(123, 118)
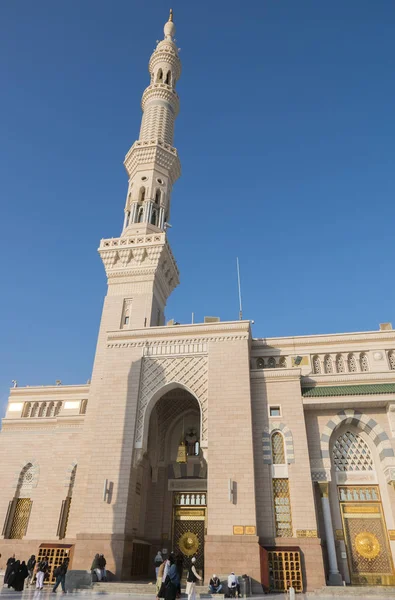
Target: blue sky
point(286, 138)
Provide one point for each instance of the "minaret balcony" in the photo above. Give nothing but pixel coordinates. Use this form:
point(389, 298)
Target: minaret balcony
point(153, 152)
point(166, 52)
point(146, 255)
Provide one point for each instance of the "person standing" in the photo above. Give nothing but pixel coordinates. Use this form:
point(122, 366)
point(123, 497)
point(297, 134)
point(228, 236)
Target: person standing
point(172, 581)
point(60, 574)
point(42, 570)
point(192, 578)
point(31, 563)
point(95, 567)
point(158, 560)
point(8, 570)
point(102, 566)
point(20, 575)
point(233, 585)
point(13, 575)
point(159, 580)
point(180, 568)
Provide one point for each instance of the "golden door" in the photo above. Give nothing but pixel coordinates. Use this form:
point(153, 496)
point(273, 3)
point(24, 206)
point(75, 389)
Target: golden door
point(189, 528)
point(365, 534)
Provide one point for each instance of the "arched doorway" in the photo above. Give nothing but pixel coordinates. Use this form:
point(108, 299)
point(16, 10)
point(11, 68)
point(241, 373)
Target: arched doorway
point(172, 482)
point(359, 497)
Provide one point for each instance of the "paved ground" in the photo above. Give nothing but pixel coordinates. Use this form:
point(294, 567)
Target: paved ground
point(31, 594)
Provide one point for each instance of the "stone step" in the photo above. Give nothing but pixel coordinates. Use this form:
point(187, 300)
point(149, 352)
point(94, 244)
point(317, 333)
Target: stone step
point(143, 589)
point(355, 590)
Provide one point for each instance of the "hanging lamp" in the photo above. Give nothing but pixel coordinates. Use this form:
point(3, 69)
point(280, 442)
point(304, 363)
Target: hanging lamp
point(182, 449)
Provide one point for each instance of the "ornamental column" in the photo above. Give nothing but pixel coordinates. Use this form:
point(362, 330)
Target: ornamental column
point(335, 577)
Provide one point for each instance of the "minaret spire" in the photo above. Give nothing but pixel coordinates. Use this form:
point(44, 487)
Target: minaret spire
point(152, 162)
point(140, 266)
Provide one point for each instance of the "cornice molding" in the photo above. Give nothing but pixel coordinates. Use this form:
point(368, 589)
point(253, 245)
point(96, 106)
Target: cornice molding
point(275, 374)
point(43, 424)
point(65, 391)
point(351, 378)
point(297, 343)
point(181, 334)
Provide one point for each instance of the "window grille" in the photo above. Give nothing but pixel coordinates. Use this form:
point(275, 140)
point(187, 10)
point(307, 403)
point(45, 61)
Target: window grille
point(363, 359)
point(328, 366)
point(260, 363)
point(351, 453)
point(20, 518)
point(340, 364)
point(272, 362)
point(316, 365)
point(283, 362)
point(282, 508)
point(34, 410)
point(278, 453)
point(352, 363)
point(391, 360)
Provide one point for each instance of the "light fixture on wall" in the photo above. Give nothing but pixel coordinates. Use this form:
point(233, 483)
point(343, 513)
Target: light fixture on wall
point(182, 449)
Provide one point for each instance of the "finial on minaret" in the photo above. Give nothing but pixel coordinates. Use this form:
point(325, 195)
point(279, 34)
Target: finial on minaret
point(170, 28)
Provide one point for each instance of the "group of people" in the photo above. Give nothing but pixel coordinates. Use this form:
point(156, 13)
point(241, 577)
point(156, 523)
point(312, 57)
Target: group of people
point(215, 585)
point(99, 567)
point(15, 574)
point(168, 577)
point(18, 572)
point(169, 574)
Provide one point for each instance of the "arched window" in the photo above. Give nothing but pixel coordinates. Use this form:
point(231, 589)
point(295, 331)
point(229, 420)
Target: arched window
point(283, 362)
point(26, 409)
point(168, 78)
point(316, 365)
point(50, 409)
point(278, 451)
point(142, 194)
point(260, 363)
point(351, 453)
point(83, 407)
point(352, 363)
point(328, 365)
point(157, 197)
point(364, 363)
point(339, 364)
point(34, 410)
point(391, 360)
point(140, 215)
point(271, 363)
point(19, 508)
point(57, 408)
point(65, 508)
point(153, 217)
point(41, 412)
point(159, 77)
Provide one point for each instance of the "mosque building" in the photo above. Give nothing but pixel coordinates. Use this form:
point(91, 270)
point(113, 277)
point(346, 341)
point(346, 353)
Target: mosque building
point(299, 486)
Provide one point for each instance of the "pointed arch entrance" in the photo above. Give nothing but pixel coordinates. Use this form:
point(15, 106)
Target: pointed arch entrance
point(359, 497)
point(171, 478)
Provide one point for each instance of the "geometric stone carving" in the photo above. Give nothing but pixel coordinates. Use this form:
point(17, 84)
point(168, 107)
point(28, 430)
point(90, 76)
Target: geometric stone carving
point(190, 371)
point(351, 453)
point(364, 423)
point(26, 478)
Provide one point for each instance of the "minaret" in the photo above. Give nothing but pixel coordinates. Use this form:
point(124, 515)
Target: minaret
point(152, 163)
point(139, 265)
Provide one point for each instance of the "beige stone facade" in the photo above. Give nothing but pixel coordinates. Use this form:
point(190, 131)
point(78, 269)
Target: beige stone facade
point(289, 441)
